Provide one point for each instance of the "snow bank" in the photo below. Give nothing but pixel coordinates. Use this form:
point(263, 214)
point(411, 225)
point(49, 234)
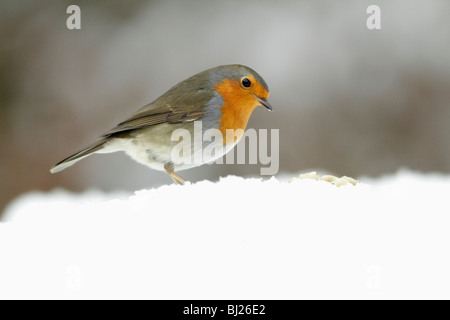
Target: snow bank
point(236, 239)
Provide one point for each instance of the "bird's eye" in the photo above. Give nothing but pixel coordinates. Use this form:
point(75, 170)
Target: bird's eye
point(246, 83)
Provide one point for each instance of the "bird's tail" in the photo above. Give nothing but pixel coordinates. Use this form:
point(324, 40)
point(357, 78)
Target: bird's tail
point(95, 147)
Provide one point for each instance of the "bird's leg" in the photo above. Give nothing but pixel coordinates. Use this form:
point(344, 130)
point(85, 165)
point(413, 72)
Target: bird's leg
point(175, 177)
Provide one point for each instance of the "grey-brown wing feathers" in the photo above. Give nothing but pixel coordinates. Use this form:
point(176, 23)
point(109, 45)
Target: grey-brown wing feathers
point(143, 121)
point(168, 108)
point(138, 123)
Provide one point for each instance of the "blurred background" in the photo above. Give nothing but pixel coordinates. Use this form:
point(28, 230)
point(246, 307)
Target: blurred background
point(347, 100)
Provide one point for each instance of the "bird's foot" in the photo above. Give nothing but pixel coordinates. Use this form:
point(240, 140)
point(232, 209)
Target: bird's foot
point(175, 177)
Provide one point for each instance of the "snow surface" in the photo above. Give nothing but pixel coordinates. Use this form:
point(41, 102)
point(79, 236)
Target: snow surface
point(235, 239)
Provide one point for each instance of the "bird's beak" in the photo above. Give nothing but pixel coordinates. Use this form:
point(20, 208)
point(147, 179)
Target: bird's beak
point(264, 103)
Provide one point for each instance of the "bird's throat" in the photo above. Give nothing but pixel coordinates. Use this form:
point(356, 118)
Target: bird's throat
point(236, 110)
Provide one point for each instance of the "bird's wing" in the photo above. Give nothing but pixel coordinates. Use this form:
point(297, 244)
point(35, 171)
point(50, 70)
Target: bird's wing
point(164, 111)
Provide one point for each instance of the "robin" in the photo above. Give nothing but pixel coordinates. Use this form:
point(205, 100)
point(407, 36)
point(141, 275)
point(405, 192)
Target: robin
point(221, 98)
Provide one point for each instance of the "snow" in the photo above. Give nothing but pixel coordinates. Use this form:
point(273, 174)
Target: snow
point(238, 238)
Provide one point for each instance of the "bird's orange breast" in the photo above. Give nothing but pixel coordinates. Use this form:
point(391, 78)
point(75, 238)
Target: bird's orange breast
point(238, 106)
